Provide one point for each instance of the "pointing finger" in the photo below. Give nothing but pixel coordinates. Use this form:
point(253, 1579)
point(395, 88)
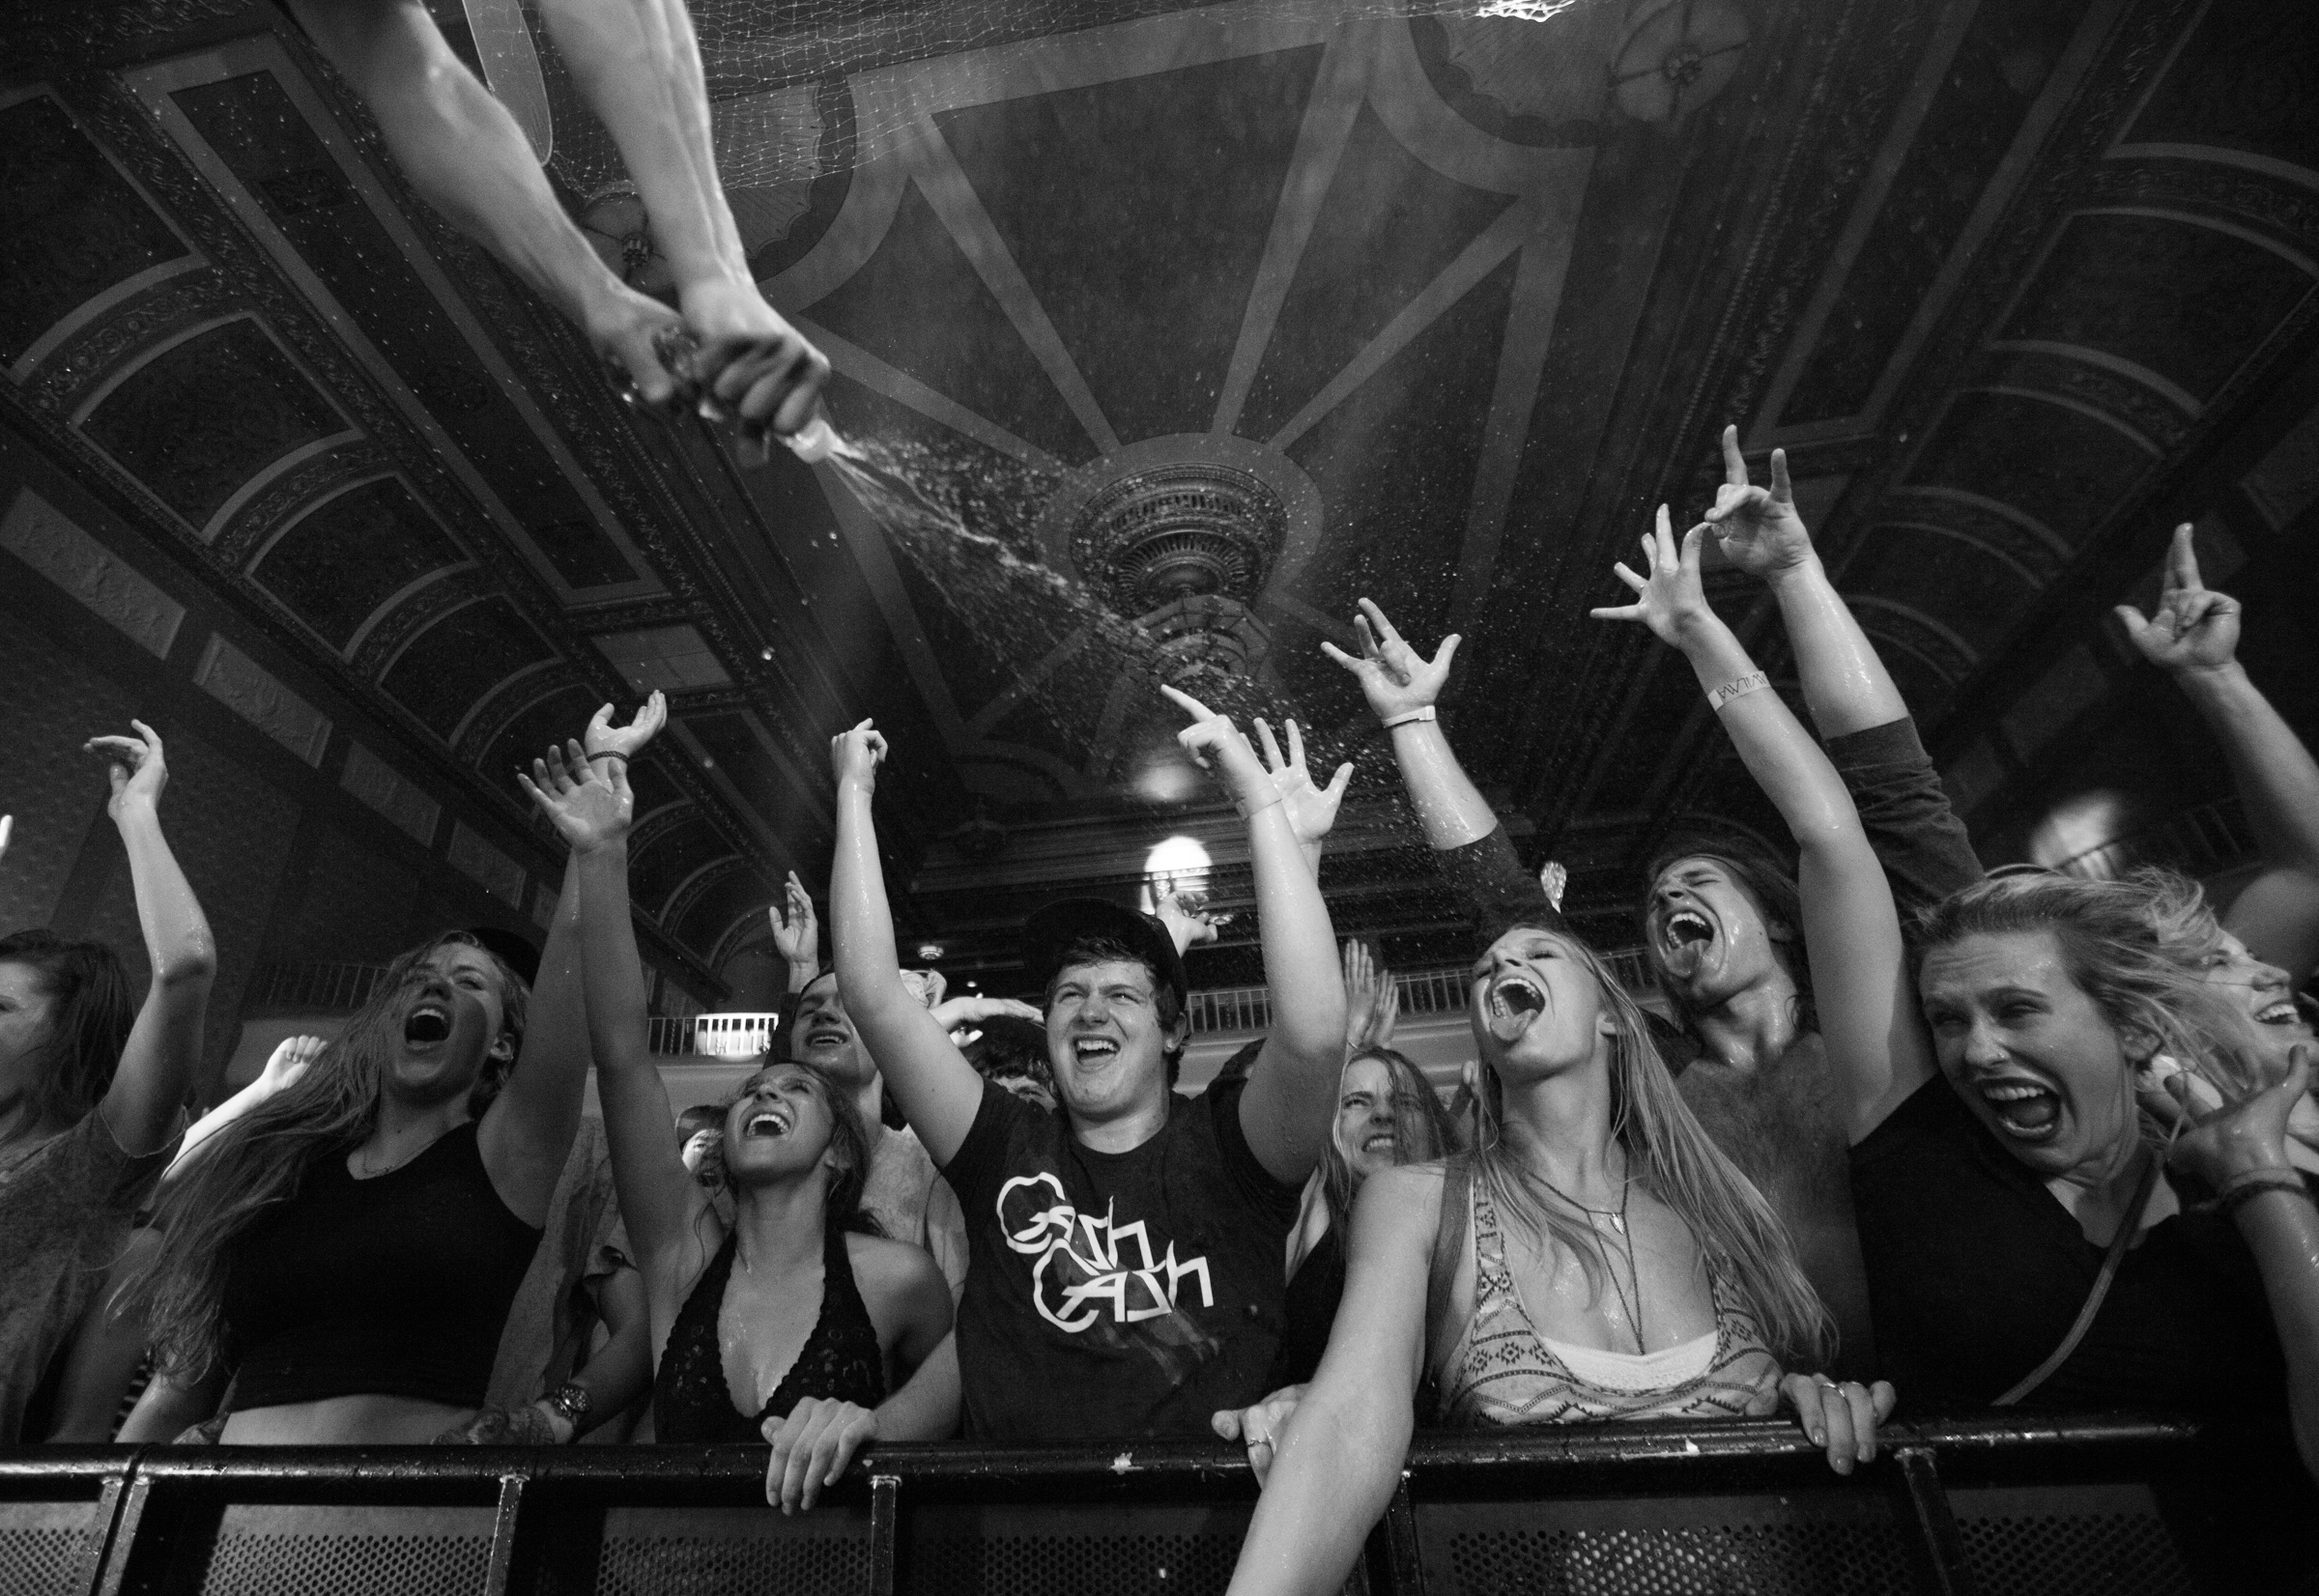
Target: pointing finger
point(2182, 559)
point(1186, 703)
point(1782, 492)
point(1734, 464)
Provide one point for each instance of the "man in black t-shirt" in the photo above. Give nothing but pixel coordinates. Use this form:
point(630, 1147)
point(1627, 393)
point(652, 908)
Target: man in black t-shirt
point(1124, 1276)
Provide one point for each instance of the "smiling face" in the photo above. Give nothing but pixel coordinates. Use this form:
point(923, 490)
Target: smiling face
point(2029, 1051)
point(1536, 1007)
point(453, 1020)
point(2266, 995)
point(1369, 1114)
point(825, 1038)
point(780, 1126)
point(1706, 935)
point(1106, 1044)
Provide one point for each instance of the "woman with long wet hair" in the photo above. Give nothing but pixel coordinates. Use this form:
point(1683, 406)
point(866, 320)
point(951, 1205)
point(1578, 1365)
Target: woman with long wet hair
point(348, 1249)
point(2028, 1148)
point(780, 1314)
point(91, 1084)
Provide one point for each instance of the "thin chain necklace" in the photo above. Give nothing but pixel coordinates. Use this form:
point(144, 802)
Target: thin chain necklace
point(1617, 1218)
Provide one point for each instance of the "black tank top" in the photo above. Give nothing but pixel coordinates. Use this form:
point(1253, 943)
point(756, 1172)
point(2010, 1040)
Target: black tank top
point(839, 1360)
point(396, 1284)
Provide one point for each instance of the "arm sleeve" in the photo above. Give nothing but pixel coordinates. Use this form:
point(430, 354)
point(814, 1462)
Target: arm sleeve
point(1905, 813)
point(1239, 1160)
point(974, 1170)
point(1492, 889)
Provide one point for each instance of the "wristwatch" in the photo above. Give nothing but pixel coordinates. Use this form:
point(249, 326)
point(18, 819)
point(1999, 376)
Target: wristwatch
point(572, 1401)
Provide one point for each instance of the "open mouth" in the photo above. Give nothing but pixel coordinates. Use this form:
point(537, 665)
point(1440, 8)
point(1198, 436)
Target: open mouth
point(427, 1025)
point(1093, 1050)
point(2282, 1012)
point(1514, 1001)
point(1684, 937)
point(826, 1035)
point(1382, 1142)
point(766, 1122)
point(2025, 1111)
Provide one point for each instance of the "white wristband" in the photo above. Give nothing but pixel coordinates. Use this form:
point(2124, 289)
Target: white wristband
point(1740, 688)
point(1424, 714)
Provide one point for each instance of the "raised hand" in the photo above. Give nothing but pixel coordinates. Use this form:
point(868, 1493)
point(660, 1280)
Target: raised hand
point(7, 827)
point(1554, 879)
point(626, 741)
point(1394, 677)
point(857, 753)
point(590, 809)
point(1218, 747)
point(289, 1060)
point(136, 767)
point(811, 1448)
point(798, 936)
point(2241, 1138)
point(951, 1013)
point(1670, 600)
point(1361, 994)
point(2195, 628)
point(1312, 809)
point(1185, 912)
point(1758, 529)
point(1839, 1416)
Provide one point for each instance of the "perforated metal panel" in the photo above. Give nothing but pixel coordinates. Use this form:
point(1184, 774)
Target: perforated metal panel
point(1841, 1542)
point(266, 1550)
point(42, 1545)
point(1155, 1550)
point(732, 1552)
point(2069, 1540)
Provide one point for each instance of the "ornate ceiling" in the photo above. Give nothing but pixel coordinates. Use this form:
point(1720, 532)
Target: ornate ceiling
point(1224, 317)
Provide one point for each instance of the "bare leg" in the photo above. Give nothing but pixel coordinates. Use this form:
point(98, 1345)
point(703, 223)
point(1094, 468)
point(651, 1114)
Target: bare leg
point(468, 159)
point(639, 64)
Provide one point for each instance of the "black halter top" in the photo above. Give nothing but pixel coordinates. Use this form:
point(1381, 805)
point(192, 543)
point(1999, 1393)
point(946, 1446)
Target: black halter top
point(839, 1360)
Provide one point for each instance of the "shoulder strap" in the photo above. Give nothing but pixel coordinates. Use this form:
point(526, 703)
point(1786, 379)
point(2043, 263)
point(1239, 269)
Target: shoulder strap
point(1448, 1242)
point(2127, 1229)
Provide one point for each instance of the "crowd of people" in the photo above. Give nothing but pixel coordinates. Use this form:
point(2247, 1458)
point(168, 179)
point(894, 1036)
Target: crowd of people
point(1907, 1131)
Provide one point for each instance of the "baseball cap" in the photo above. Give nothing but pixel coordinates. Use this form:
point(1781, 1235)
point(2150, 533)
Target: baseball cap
point(1052, 930)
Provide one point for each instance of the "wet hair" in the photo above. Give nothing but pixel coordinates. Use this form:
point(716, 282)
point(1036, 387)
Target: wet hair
point(849, 1136)
point(1671, 1158)
point(90, 1017)
point(1104, 950)
point(1767, 878)
point(261, 1160)
point(1010, 1049)
point(2133, 947)
point(1422, 1132)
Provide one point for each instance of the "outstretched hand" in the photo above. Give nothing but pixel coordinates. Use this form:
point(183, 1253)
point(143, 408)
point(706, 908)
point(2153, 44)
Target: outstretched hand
point(289, 1060)
point(1670, 600)
point(2238, 1138)
point(590, 809)
point(1312, 809)
point(627, 741)
point(799, 935)
point(1372, 1000)
point(1185, 912)
point(1218, 747)
point(1758, 529)
point(857, 753)
point(135, 766)
point(1394, 677)
point(973, 1010)
point(2195, 628)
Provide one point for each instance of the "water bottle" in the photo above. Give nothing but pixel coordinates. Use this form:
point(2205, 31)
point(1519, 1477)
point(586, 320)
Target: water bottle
point(814, 442)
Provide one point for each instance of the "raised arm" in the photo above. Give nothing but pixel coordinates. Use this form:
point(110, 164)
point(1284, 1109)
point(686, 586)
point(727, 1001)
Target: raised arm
point(1287, 1108)
point(2195, 639)
point(1335, 1465)
point(1852, 932)
point(1402, 686)
point(657, 1195)
point(1845, 685)
point(937, 1089)
point(157, 1063)
point(526, 1133)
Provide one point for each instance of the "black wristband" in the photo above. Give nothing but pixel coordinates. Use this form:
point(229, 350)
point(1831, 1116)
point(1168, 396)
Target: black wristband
point(2247, 1191)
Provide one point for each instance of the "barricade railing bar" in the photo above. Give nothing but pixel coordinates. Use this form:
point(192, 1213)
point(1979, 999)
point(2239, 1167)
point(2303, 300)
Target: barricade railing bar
point(2017, 1503)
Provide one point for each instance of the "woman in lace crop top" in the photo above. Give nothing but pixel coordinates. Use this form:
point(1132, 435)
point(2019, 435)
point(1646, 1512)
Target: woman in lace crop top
point(786, 1323)
point(1595, 1258)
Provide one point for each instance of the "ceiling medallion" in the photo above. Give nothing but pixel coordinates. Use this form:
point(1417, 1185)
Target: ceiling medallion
point(1185, 547)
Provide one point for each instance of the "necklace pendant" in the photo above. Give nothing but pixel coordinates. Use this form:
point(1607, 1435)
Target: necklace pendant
point(1618, 1223)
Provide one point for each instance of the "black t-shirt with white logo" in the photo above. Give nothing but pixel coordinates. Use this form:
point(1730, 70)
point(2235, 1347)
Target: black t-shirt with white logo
point(1115, 1293)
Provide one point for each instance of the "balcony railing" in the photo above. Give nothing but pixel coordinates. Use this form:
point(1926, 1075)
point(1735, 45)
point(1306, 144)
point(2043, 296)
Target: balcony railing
point(2198, 842)
point(1437, 990)
point(2047, 1506)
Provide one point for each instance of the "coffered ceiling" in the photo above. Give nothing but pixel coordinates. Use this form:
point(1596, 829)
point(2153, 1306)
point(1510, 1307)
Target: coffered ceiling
point(1424, 309)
